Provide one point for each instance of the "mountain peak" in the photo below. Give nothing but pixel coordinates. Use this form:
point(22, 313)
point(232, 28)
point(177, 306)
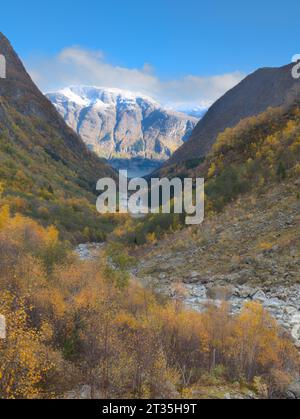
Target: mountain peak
point(18, 87)
point(118, 123)
point(90, 95)
point(16, 72)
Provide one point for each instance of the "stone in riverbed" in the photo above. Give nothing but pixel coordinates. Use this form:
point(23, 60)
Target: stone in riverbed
point(223, 293)
point(194, 278)
point(293, 391)
point(295, 322)
point(244, 292)
point(260, 296)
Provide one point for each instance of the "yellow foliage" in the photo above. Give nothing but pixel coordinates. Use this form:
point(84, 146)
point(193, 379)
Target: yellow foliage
point(52, 236)
point(1, 189)
point(124, 342)
point(4, 216)
point(24, 360)
point(265, 245)
point(212, 170)
point(151, 238)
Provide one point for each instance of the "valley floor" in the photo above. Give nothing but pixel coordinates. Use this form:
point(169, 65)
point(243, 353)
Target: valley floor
point(89, 323)
point(250, 252)
point(136, 167)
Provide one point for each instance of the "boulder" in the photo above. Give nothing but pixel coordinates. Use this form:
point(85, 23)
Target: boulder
point(295, 321)
point(86, 392)
point(83, 393)
point(293, 391)
point(220, 293)
point(244, 292)
point(259, 296)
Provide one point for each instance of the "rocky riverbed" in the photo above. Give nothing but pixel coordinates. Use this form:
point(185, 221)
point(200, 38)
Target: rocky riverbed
point(282, 303)
point(89, 251)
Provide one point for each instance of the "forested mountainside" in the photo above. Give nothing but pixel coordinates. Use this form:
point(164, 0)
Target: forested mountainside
point(266, 87)
point(46, 171)
point(257, 154)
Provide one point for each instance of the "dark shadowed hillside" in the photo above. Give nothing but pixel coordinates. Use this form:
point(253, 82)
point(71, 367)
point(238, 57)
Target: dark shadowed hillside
point(267, 87)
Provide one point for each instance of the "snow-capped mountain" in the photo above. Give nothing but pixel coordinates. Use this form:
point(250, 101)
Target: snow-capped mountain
point(120, 124)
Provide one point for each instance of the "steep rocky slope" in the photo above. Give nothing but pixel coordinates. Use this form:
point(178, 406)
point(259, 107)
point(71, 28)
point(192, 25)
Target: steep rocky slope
point(18, 91)
point(120, 124)
point(267, 87)
point(44, 164)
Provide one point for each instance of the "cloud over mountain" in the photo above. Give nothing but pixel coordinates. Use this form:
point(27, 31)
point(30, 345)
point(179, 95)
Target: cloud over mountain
point(76, 65)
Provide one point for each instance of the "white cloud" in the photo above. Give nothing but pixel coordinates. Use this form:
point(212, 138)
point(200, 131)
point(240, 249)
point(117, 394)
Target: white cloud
point(75, 65)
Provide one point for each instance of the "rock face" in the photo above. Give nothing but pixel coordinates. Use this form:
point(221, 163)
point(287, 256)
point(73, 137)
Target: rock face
point(119, 124)
point(267, 87)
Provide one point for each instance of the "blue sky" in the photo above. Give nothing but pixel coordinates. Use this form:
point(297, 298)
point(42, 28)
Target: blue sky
point(164, 41)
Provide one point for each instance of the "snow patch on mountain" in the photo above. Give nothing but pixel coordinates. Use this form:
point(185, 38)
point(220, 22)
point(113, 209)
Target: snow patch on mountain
point(117, 123)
